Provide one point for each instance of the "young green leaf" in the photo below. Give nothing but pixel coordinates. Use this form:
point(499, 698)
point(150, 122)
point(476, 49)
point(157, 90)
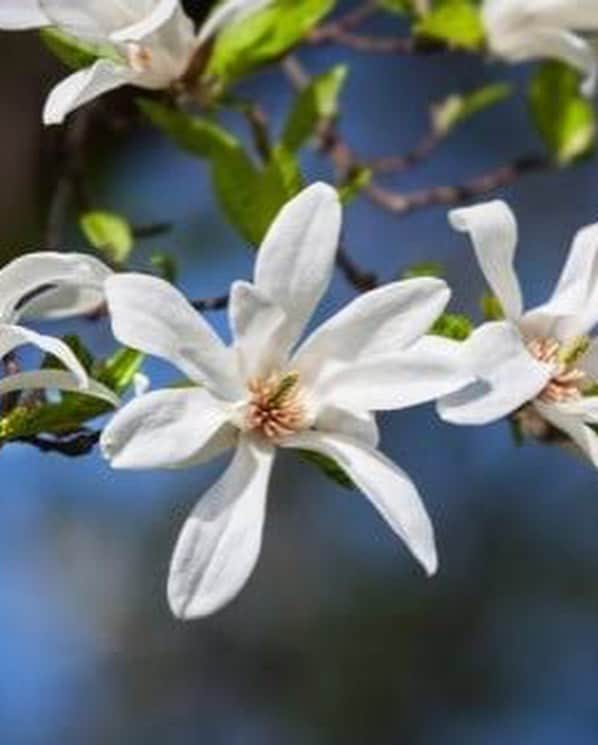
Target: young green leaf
point(453, 326)
point(456, 23)
point(328, 467)
point(263, 37)
point(565, 120)
point(73, 52)
point(109, 234)
point(458, 108)
point(316, 103)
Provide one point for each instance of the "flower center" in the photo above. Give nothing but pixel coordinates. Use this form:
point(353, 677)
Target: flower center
point(139, 57)
point(276, 406)
point(568, 380)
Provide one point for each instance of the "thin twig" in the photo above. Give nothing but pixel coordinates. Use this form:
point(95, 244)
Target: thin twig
point(401, 163)
point(207, 305)
point(402, 204)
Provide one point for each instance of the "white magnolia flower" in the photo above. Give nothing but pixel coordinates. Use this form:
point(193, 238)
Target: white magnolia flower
point(540, 364)
point(48, 285)
point(262, 393)
point(522, 30)
point(151, 43)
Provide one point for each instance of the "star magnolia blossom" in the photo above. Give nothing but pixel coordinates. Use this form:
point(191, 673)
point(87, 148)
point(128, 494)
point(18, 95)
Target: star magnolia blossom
point(541, 364)
point(261, 393)
point(151, 42)
point(48, 285)
point(521, 30)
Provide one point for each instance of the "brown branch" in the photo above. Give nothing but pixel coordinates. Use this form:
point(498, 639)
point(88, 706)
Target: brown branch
point(480, 186)
point(361, 280)
point(353, 18)
point(74, 446)
point(401, 163)
point(207, 305)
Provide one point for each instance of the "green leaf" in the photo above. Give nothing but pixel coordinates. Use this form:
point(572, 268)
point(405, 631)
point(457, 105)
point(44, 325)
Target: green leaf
point(263, 37)
point(316, 103)
point(165, 265)
point(491, 308)
point(78, 348)
point(328, 467)
point(75, 53)
point(109, 233)
point(456, 109)
point(196, 135)
point(453, 326)
point(357, 179)
point(424, 269)
point(400, 7)
point(250, 196)
point(456, 23)
point(74, 409)
point(565, 120)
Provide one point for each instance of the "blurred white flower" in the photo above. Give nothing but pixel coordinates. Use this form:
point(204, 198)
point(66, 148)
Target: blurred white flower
point(540, 364)
point(522, 30)
point(261, 393)
point(47, 285)
point(151, 43)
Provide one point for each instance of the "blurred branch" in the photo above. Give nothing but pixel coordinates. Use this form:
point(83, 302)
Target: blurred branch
point(73, 446)
point(70, 186)
point(206, 305)
point(480, 186)
point(400, 163)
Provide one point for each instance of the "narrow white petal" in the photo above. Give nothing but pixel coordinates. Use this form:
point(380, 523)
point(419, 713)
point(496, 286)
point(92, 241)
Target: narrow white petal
point(573, 308)
point(387, 487)
point(94, 20)
point(17, 15)
point(508, 376)
point(296, 260)
point(493, 232)
point(574, 426)
point(32, 272)
point(162, 429)
point(150, 315)
point(63, 302)
point(12, 337)
point(589, 362)
point(227, 13)
point(259, 330)
point(357, 425)
point(380, 322)
point(83, 86)
point(159, 15)
point(61, 380)
point(427, 370)
point(219, 545)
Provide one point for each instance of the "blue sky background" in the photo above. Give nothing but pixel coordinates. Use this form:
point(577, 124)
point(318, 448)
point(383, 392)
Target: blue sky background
point(338, 638)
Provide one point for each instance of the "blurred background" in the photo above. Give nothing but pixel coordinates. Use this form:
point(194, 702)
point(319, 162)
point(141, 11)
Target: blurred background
point(338, 638)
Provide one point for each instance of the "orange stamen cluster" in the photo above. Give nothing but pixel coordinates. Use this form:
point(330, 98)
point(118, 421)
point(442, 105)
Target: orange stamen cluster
point(567, 381)
point(276, 407)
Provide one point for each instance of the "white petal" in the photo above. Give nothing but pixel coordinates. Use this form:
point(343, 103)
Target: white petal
point(16, 15)
point(94, 20)
point(57, 380)
point(63, 302)
point(357, 425)
point(388, 488)
point(84, 86)
point(162, 429)
point(573, 308)
point(508, 377)
point(219, 545)
point(160, 14)
point(589, 362)
point(573, 426)
point(296, 260)
point(12, 337)
point(30, 273)
point(259, 330)
point(428, 369)
point(380, 322)
point(226, 13)
point(153, 317)
point(493, 231)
